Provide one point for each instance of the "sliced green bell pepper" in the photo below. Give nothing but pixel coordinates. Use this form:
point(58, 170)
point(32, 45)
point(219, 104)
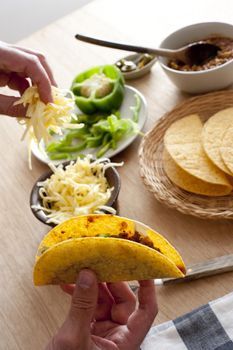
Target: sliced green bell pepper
point(99, 89)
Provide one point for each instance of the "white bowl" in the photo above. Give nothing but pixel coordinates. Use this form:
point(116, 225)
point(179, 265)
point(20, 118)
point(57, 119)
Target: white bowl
point(199, 81)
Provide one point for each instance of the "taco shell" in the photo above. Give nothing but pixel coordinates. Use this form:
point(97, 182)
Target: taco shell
point(86, 226)
point(115, 248)
point(226, 149)
point(190, 183)
point(213, 134)
point(183, 142)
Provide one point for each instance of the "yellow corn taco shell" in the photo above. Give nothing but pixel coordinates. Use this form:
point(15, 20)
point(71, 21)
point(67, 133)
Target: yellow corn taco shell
point(182, 141)
point(190, 183)
point(86, 226)
point(213, 134)
point(114, 255)
point(226, 149)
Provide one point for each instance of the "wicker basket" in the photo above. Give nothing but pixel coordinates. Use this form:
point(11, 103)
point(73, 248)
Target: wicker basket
point(151, 167)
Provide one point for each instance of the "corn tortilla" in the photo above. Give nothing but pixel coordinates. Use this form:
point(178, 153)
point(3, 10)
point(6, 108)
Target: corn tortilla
point(190, 183)
point(226, 149)
point(182, 141)
point(212, 136)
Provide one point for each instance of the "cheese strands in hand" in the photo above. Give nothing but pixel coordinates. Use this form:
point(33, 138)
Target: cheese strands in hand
point(43, 119)
point(182, 141)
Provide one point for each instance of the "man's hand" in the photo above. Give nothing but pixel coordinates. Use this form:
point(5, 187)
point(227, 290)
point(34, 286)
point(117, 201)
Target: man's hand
point(16, 66)
point(104, 316)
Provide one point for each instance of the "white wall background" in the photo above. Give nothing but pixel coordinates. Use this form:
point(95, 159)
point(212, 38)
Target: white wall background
point(20, 18)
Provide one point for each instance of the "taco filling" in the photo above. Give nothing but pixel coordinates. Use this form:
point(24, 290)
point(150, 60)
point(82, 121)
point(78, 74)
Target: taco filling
point(137, 237)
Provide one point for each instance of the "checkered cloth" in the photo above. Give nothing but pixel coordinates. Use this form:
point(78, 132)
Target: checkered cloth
point(209, 327)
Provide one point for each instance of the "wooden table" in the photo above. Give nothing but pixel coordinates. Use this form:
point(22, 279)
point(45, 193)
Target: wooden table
point(28, 315)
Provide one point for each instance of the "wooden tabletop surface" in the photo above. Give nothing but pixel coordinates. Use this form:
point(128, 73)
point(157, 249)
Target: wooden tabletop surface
point(29, 315)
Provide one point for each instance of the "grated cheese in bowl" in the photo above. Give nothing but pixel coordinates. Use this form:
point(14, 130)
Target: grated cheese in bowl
point(80, 188)
point(42, 119)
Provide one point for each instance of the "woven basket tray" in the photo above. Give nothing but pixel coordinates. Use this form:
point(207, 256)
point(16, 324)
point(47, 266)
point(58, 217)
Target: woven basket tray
point(151, 165)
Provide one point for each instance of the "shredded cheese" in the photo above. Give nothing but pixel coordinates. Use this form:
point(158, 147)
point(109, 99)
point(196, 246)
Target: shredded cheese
point(79, 189)
point(42, 119)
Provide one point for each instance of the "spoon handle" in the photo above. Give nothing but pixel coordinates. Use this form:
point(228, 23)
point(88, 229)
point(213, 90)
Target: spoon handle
point(126, 47)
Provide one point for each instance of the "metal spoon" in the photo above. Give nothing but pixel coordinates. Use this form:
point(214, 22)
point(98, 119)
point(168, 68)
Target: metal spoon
point(194, 53)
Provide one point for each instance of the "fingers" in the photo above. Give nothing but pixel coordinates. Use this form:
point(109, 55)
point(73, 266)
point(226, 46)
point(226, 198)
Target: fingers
point(39, 77)
point(105, 300)
point(83, 304)
point(14, 81)
point(125, 302)
point(103, 328)
point(18, 83)
point(140, 321)
point(68, 288)
point(103, 344)
point(43, 61)
point(47, 69)
point(28, 66)
point(7, 107)
point(75, 331)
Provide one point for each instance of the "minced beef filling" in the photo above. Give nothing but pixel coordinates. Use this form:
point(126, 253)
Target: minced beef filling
point(223, 55)
point(138, 239)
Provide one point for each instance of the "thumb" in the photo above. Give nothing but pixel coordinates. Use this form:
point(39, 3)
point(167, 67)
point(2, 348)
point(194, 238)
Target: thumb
point(84, 302)
point(7, 107)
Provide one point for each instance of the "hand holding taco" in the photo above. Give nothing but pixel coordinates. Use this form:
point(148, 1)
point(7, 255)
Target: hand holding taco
point(104, 316)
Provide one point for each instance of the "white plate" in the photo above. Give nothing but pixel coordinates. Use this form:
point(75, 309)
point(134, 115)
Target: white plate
point(125, 111)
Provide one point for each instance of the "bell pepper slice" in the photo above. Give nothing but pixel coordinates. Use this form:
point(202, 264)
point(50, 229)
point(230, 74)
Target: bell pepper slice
point(99, 89)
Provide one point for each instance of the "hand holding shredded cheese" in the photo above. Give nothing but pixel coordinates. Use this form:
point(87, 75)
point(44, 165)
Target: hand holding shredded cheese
point(42, 118)
point(79, 189)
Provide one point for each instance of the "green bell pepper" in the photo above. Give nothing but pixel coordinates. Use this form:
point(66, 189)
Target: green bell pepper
point(99, 89)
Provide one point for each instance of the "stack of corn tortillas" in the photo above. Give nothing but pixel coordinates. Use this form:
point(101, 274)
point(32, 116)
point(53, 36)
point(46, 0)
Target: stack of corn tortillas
point(199, 157)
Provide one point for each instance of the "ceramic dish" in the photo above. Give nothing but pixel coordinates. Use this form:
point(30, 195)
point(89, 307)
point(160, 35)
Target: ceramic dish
point(205, 80)
point(139, 72)
point(129, 100)
point(151, 162)
point(112, 177)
